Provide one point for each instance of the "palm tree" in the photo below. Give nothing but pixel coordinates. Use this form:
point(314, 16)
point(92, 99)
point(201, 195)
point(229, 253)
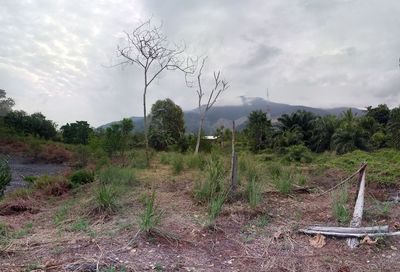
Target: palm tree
point(349, 136)
point(323, 129)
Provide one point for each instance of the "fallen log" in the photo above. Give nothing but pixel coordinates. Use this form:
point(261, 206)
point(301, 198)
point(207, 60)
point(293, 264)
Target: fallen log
point(368, 230)
point(358, 208)
point(351, 235)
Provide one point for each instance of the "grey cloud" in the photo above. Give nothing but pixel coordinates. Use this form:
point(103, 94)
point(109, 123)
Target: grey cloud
point(312, 52)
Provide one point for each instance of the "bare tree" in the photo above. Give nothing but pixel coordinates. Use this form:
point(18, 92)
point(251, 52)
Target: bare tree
point(148, 48)
point(219, 86)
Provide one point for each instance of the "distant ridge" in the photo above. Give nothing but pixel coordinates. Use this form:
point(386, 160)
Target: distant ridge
point(223, 115)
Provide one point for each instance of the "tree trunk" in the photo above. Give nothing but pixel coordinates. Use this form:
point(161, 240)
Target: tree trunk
point(196, 151)
point(146, 140)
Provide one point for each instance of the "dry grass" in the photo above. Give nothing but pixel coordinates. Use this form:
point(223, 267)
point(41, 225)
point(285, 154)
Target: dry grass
point(242, 241)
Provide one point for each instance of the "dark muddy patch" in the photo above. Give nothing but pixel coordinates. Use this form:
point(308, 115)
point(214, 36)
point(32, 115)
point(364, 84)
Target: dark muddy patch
point(22, 168)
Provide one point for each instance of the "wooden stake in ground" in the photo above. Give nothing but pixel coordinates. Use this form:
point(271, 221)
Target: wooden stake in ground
point(233, 162)
point(358, 208)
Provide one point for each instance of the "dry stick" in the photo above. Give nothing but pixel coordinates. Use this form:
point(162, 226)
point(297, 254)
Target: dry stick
point(343, 181)
point(353, 235)
point(374, 229)
point(358, 208)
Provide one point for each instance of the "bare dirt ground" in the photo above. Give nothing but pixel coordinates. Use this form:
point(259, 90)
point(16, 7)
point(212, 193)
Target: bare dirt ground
point(265, 239)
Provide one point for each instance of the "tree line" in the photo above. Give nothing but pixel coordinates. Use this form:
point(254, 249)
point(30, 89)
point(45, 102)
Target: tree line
point(378, 128)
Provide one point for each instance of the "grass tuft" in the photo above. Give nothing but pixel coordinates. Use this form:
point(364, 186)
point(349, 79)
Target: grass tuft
point(150, 218)
point(339, 205)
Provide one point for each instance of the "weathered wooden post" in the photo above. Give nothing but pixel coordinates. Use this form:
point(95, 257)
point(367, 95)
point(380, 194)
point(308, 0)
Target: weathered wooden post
point(358, 208)
point(233, 162)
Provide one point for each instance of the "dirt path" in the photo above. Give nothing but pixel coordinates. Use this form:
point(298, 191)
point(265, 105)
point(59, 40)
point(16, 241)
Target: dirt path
point(20, 168)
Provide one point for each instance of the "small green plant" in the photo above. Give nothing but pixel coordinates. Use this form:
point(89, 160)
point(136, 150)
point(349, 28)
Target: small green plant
point(213, 184)
point(81, 177)
point(253, 191)
point(149, 218)
point(106, 198)
point(177, 164)
point(262, 221)
point(215, 207)
point(80, 225)
point(284, 182)
point(339, 205)
point(301, 180)
point(275, 170)
point(60, 215)
point(5, 174)
point(30, 179)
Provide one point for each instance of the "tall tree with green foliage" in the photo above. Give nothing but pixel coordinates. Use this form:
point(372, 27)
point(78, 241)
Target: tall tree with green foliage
point(393, 127)
point(301, 120)
point(167, 125)
point(381, 113)
point(258, 130)
point(350, 135)
point(35, 124)
point(6, 103)
point(323, 129)
point(76, 133)
point(116, 136)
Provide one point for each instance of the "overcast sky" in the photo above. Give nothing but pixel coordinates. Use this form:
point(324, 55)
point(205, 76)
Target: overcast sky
point(324, 53)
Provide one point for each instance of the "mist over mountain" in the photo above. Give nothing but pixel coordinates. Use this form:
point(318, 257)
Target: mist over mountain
point(223, 115)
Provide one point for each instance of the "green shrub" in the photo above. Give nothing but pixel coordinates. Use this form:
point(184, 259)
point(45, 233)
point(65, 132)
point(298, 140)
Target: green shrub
point(150, 218)
point(298, 153)
point(339, 205)
point(118, 176)
point(5, 174)
point(81, 177)
point(177, 164)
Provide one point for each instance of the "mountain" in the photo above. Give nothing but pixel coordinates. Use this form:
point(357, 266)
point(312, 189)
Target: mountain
point(223, 115)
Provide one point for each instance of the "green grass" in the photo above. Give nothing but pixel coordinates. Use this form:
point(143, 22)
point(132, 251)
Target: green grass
point(215, 207)
point(195, 161)
point(177, 164)
point(207, 189)
point(340, 199)
point(383, 165)
point(106, 198)
point(150, 217)
point(80, 225)
point(253, 192)
point(284, 182)
point(118, 176)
